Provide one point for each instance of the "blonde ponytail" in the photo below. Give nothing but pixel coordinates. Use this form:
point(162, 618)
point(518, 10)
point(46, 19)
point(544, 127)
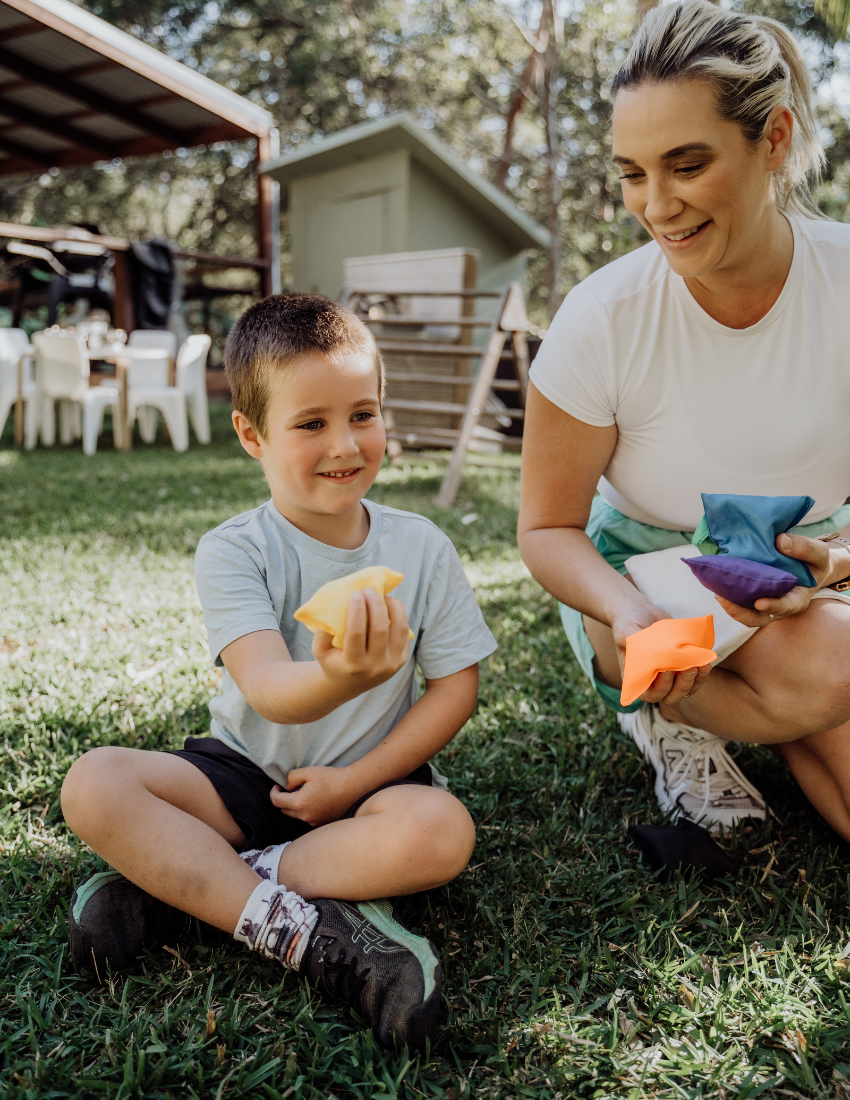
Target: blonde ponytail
point(755, 65)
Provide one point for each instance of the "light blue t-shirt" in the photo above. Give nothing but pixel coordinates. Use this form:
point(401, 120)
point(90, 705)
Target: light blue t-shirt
point(254, 571)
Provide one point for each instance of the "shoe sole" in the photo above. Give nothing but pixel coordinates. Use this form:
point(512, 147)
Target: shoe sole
point(423, 1021)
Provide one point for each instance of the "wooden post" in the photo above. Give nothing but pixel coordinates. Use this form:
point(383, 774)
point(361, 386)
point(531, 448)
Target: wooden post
point(483, 381)
point(268, 214)
point(19, 402)
point(123, 430)
point(123, 311)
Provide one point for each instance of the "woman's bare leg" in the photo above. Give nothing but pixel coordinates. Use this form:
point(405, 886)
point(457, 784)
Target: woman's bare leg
point(788, 687)
point(821, 765)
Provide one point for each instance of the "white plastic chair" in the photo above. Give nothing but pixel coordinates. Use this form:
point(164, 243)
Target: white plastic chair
point(188, 396)
point(145, 373)
point(16, 351)
point(62, 374)
point(154, 338)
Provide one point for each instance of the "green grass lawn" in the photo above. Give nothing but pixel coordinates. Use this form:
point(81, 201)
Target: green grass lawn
point(570, 971)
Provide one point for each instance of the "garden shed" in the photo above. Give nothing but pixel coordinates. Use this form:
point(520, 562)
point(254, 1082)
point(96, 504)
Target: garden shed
point(390, 186)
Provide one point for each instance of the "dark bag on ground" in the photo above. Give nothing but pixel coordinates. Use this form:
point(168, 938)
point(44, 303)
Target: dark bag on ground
point(685, 845)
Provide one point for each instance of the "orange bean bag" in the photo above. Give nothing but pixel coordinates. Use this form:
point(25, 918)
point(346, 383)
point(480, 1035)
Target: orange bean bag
point(670, 645)
point(327, 608)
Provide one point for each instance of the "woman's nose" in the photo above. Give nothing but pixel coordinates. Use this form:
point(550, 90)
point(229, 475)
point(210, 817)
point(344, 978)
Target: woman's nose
point(662, 204)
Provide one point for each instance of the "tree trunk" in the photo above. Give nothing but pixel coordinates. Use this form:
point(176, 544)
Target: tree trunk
point(553, 184)
point(500, 175)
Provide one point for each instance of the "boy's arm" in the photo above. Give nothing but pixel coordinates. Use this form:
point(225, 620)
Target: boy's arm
point(325, 793)
point(291, 692)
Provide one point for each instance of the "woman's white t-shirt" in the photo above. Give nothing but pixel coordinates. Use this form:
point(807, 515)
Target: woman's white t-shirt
point(702, 408)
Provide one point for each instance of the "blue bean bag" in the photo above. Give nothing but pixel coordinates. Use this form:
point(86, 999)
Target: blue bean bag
point(738, 534)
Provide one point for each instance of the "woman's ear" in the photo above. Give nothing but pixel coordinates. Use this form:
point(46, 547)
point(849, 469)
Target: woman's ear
point(249, 437)
point(778, 134)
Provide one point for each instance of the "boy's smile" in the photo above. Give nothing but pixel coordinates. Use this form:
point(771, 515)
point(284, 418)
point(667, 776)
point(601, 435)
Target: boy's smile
point(323, 445)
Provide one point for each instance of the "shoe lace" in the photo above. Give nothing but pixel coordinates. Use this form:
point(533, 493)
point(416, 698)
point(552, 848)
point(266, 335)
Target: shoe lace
point(694, 766)
point(343, 982)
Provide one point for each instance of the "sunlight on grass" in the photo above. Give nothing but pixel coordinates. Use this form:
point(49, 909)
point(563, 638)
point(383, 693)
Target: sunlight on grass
point(569, 970)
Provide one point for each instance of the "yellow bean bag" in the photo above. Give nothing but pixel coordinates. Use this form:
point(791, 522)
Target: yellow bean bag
point(327, 608)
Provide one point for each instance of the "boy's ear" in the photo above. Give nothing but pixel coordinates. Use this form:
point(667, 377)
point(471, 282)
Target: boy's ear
point(248, 435)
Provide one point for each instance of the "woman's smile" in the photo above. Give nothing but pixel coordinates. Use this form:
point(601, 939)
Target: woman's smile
point(684, 238)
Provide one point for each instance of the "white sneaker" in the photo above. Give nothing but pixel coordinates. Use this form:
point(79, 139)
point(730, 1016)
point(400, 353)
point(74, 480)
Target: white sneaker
point(694, 774)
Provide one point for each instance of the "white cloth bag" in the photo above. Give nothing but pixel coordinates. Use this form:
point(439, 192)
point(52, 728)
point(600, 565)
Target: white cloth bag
point(663, 577)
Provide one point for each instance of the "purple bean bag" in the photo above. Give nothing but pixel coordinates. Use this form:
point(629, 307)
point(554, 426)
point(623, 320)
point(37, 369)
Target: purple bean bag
point(740, 581)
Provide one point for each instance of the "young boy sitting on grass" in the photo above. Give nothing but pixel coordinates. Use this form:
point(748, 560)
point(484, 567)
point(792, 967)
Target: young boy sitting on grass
point(316, 769)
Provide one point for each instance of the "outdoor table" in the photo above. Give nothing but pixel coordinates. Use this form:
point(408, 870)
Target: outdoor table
point(120, 355)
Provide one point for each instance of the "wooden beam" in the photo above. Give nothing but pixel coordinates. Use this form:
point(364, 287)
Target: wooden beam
point(24, 153)
point(420, 347)
point(449, 380)
point(402, 405)
point(428, 294)
point(14, 166)
point(61, 233)
point(21, 31)
point(258, 264)
point(421, 322)
point(60, 127)
point(63, 84)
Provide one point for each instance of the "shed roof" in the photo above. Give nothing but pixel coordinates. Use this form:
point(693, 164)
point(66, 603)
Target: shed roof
point(401, 131)
point(74, 90)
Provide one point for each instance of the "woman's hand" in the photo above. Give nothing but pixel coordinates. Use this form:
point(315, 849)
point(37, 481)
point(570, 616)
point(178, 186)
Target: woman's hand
point(667, 687)
point(316, 795)
point(826, 563)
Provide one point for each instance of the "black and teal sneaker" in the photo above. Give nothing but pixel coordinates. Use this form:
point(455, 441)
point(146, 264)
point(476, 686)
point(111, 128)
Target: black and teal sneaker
point(360, 956)
point(111, 921)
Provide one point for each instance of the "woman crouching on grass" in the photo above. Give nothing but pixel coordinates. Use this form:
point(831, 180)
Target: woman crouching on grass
point(715, 359)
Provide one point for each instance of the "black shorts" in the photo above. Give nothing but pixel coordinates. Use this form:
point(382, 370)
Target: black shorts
point(245, 789)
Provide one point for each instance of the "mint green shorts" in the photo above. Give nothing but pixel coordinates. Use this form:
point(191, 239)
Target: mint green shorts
point(617, 538)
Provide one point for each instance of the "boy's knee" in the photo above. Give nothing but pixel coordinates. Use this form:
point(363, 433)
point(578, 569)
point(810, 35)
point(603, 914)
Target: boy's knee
point(88, 785)
point(442, 833)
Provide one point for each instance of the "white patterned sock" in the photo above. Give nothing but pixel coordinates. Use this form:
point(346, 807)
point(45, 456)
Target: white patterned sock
point(265, 860)
point(276, 923)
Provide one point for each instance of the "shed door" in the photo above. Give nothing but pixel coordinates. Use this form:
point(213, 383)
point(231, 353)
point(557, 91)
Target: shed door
point(353, 227)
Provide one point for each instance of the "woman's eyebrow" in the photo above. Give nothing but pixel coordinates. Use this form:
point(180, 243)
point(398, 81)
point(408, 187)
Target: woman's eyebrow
point(691, 147)
point(671, 154)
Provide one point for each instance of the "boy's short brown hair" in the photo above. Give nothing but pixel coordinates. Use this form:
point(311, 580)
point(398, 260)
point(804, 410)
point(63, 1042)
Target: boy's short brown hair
point(273, 333)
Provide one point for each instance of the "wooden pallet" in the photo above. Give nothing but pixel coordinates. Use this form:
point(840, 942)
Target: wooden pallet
point(469, 392)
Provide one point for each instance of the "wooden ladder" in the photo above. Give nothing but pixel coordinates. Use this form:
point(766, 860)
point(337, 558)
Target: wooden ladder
point(511, 320)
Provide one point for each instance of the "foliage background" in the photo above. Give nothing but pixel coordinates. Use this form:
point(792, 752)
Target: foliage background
point(455, 64)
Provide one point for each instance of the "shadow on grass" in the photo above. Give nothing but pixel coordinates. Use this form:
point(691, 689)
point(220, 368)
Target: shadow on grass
point(569, 970)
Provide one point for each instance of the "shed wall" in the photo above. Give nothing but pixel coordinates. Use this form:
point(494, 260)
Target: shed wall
point(358, 210)
point(438, 219)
